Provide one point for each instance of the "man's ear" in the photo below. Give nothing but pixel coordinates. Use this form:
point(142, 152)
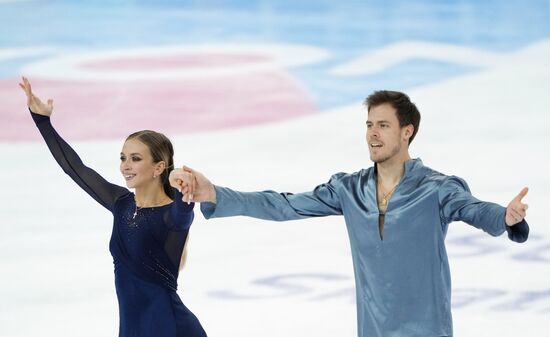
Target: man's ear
point(408, 131)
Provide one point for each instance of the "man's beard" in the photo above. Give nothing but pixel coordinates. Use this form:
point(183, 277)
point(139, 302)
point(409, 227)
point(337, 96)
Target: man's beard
point(392, 153)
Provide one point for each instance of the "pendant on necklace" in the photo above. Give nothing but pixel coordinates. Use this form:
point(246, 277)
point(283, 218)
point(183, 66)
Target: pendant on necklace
point(135, 212)
point(384, 201)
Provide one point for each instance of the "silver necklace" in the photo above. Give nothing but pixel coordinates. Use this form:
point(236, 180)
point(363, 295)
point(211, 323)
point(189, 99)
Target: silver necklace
point(138, 208)
point(135, 212)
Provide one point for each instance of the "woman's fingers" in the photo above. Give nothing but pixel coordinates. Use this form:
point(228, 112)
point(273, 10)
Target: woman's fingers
point(188, 186)
point(186, 194)
point(185, 182)
point(26, 94)
point(34, 103)
point(25, 88)
point(176, 184)
point(27, 84)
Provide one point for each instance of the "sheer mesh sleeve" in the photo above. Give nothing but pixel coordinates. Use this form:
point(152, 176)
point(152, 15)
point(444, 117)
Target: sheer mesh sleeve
point(178, 220)
point(90, 181)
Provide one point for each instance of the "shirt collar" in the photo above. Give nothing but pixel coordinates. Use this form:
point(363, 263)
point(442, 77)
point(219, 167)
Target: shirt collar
point(413, 164)
point(410, 165)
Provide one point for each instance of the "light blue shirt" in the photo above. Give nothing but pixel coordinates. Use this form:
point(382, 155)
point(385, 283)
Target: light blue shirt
point(403, 282)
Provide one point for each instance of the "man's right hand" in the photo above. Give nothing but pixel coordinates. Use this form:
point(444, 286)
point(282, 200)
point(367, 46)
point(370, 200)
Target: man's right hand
point(198, 188)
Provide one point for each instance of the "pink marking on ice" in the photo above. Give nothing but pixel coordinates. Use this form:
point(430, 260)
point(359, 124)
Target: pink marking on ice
point(176, 61)
point(95, 110)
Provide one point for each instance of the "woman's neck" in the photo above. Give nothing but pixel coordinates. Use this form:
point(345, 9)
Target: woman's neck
point(151, 195)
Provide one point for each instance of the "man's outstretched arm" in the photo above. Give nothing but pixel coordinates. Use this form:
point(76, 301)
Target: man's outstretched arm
point(458, 204)
point(217, 201)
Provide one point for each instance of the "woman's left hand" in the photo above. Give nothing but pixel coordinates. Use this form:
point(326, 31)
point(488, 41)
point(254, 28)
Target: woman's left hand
point(184, 181)
point(34, 103)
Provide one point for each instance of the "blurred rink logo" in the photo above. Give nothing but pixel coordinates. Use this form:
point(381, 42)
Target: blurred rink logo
point(174, 89)
point(194, 88)
point(329, 286)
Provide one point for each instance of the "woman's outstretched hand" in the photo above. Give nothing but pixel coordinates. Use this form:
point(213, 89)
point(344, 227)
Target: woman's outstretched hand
point(193, 185)
point(34, 103)
point(184, 182)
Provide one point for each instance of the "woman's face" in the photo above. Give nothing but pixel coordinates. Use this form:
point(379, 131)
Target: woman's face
point(136, 164)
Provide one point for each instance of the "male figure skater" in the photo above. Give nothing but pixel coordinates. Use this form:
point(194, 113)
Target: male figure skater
point(397, 214)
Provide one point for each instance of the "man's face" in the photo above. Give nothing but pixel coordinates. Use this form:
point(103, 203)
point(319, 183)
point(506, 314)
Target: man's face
point(384, 135)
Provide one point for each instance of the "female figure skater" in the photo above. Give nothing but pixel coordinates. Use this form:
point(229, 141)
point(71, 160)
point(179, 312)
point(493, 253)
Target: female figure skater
point(150, 226)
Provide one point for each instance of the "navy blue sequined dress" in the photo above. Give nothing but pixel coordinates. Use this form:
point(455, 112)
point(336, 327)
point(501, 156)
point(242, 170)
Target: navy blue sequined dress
point(146, 249)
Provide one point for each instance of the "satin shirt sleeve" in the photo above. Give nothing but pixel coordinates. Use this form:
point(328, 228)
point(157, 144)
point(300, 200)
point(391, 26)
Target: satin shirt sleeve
point(458, 204)
point(270, 205)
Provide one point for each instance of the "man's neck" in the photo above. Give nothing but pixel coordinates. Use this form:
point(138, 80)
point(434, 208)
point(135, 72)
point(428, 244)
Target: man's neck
point(391, 170)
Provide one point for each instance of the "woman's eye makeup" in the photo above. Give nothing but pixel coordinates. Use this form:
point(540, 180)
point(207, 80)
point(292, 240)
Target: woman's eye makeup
point(132, 158)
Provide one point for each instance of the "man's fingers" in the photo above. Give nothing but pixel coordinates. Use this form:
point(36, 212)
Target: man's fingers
point(190, 181)
point(521, 208)
point(188, 194)
point(188, 169)
point(517, 216)
point(522, 194)
point(520, 211)
point(513, 213)
point(194, 186)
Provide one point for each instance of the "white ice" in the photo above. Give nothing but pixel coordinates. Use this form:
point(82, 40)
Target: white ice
point(252, 278)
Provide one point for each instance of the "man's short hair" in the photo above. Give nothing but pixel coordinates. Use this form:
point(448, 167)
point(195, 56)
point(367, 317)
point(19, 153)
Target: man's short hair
point(407, 113)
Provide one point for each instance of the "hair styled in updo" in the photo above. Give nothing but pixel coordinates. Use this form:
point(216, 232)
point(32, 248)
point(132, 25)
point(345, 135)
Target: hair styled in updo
point(161, 150)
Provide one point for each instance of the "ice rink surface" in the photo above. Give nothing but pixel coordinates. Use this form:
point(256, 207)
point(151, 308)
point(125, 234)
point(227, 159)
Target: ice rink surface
point(258, 96)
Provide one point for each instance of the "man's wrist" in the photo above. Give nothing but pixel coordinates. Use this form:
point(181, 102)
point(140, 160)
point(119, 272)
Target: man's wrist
point(212, 194)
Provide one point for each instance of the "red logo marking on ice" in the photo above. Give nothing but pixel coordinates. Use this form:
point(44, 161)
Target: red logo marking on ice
point(179, 61)
point(113, 108)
